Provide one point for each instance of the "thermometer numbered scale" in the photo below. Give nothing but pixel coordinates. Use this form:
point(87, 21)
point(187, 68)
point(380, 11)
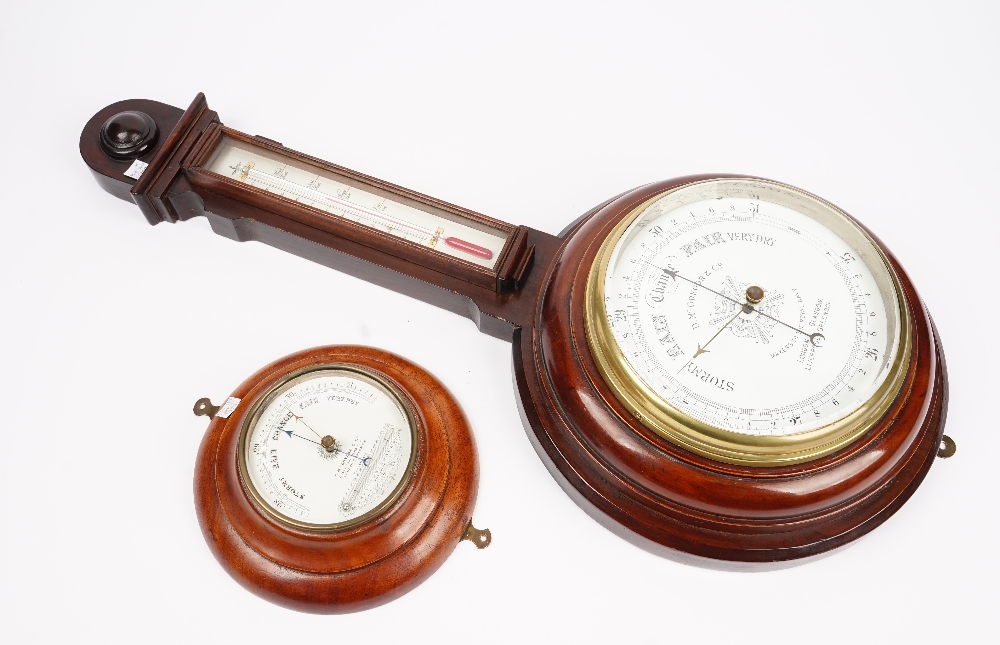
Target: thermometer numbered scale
point(724, 370)
point(321, 190)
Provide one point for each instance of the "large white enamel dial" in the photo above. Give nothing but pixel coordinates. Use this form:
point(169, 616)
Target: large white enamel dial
point(751, 307)
point(327, 448)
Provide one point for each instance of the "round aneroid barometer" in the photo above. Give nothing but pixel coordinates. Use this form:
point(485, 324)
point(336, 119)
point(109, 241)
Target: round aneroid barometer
point(721, 369)
point(374, 447)
point(336, 479)
point(747, 321)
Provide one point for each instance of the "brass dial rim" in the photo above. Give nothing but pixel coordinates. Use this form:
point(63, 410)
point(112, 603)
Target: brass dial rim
point(291, 379)
point(711, 441)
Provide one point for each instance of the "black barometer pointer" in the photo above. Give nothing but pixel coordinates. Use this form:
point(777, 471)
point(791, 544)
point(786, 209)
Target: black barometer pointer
point(746, 307)
point(364, 460)
point(326, 442)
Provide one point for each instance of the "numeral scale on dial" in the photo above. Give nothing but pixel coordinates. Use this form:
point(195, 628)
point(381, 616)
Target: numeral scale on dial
point(666, 274)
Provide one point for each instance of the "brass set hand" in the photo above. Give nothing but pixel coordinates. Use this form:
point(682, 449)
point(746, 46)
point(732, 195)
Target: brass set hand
point(328, 442)
point(746, 307)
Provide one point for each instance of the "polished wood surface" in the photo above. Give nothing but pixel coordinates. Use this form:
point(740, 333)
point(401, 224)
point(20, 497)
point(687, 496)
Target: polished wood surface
point(109, 171)
point(359, 567)
point(665, 496)
point(632, 481)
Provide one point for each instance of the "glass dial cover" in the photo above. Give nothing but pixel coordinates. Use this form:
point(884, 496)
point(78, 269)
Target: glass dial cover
point(327, 448)
point(747, 307)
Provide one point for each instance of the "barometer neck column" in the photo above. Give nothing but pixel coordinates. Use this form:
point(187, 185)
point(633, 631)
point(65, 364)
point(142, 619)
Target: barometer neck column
point(179, 164)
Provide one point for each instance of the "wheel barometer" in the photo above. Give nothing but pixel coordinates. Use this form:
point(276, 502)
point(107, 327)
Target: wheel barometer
point(336, 479)
point(722, 369)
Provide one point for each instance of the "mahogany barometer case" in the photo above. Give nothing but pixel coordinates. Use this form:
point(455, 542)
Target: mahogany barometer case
point(722, 369)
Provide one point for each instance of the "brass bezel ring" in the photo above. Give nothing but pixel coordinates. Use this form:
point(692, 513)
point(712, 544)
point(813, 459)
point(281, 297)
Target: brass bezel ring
point(711, 441)
point(300, 375)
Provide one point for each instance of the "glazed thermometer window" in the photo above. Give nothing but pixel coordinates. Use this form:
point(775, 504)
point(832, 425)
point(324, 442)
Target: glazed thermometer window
point(341, 197)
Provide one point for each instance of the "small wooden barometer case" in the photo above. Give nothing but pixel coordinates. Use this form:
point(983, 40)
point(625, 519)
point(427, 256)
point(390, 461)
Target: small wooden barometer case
point(336, 479)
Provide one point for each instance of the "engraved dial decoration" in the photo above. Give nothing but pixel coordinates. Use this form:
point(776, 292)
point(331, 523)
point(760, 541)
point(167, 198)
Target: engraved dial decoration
point(327, 448)
point(751, 307)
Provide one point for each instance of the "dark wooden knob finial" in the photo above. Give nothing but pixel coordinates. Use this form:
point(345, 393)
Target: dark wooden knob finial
point(128, 135)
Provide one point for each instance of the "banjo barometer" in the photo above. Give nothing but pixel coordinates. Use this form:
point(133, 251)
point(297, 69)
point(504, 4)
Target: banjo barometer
point(722, 369)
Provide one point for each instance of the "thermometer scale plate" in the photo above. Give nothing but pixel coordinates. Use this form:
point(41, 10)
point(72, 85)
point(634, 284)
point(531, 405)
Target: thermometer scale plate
point(387, 219)
point(707, 405)
point(326, 191)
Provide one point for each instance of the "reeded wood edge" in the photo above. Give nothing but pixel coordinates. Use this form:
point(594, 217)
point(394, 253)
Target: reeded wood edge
point(792, 559)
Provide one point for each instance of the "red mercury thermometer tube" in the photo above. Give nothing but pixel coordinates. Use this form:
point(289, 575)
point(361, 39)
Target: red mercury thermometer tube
point(349, 210)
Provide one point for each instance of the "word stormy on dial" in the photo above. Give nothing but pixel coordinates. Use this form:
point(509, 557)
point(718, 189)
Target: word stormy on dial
point(704, 375)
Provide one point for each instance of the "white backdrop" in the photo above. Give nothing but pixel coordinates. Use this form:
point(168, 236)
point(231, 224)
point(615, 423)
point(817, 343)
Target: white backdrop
point(531, 113)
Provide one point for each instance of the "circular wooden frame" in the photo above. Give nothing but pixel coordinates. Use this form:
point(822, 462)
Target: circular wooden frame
point(686, 506)
point(361, 566)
